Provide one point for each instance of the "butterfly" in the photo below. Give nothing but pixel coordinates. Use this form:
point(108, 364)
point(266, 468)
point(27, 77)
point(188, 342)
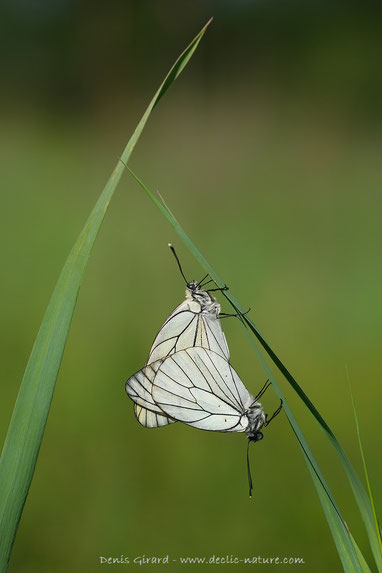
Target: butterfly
point(188, 377)
point(200, 388)
point(195, 322)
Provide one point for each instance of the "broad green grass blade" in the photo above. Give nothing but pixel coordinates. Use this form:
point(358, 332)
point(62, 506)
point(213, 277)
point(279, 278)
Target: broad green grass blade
point(347, 550)
point(377, 529)
point(364, 565)
point(31, 410)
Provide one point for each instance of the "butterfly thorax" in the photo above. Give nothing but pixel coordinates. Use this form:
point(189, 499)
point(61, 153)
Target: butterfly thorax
point(256, 420)
point(208, 303)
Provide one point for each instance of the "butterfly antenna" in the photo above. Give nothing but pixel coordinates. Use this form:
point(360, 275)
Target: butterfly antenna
point(263, 389)
point(250, 484)
point(177, 260)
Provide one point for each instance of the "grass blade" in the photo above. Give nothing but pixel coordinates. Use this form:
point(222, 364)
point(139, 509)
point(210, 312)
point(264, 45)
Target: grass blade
point(359, 491)
point(31, 410)
point(346, 546)
point(377, 549)
point(345, 543)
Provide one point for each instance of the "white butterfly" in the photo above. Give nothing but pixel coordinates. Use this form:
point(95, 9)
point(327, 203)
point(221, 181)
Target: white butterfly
point(195, 322)
point(188, 378)
point(199, 387)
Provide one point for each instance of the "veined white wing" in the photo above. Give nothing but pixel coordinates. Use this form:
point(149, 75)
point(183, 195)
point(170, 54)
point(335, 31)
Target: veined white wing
point(151, 419)
point(200, 388)
point(194, 322)
point(138, 388)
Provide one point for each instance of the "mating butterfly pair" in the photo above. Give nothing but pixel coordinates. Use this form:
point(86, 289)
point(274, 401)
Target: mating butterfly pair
point(188, 377)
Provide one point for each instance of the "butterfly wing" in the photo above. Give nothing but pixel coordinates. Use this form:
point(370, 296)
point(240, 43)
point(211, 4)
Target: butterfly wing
point(200, 388)
point(150, 419)
point(138, 388)
point(189, 326)
point(210, 335)
point(186, 327)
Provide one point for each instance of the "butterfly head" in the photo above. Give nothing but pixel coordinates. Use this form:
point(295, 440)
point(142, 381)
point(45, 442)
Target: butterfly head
point(196, 293)
point(256, 437)
point(194, 286)
point(204, 298)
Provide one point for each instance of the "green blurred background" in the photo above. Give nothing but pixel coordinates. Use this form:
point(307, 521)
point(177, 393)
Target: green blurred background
point(268, 151)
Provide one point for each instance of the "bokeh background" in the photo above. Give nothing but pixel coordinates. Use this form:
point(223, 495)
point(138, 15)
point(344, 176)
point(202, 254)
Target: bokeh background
point(268, 151)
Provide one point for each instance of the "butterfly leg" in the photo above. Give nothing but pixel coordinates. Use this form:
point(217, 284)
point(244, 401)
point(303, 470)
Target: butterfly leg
point(202, 281)
point(273, 415)
point(237, 314)
point(216, 289)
